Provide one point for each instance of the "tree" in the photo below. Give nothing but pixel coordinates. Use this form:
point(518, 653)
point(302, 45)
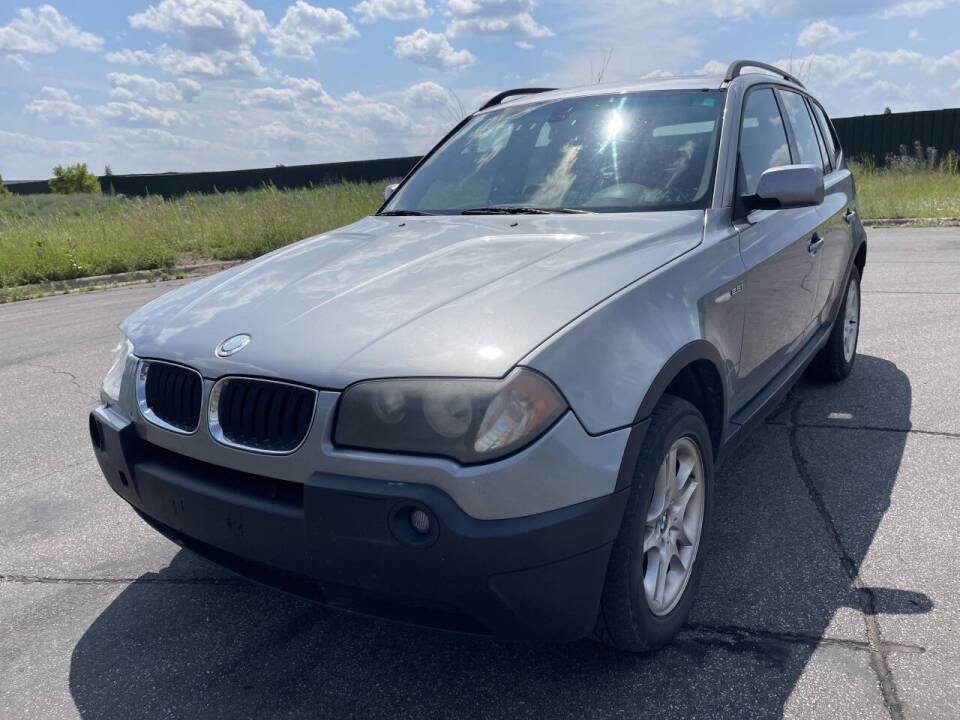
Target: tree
point(74, 179)
point(107, 170)
point(3, 188)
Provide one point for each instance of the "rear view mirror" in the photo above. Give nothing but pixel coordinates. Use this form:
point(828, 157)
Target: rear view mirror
point(788, 186)
point(390, 190)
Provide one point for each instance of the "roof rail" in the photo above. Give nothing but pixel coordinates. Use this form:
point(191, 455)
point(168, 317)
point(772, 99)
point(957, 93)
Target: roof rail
point(500, 97)
point(735, 68)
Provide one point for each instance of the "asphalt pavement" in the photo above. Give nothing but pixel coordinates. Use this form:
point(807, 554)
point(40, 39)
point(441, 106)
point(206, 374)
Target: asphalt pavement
point(831, 587)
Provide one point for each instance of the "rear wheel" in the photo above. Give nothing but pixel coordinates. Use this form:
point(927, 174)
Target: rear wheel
point(654, 569)
point(835, 359)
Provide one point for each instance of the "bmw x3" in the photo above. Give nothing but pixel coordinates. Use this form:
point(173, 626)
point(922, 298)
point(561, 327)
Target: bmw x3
point(497, 405)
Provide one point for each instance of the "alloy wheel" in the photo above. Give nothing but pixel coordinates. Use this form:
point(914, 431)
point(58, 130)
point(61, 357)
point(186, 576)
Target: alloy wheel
point(851, 321)
point(673, 526)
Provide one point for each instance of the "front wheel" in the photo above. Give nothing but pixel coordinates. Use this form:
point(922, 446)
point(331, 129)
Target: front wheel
point(835, 359)
point(654, 570)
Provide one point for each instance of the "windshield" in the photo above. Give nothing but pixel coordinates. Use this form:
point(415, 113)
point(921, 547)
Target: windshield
point(627, 152)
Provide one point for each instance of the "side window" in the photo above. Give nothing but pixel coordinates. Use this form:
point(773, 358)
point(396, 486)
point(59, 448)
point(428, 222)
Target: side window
point(827, 130)
point(763, 141)
point(803, 131)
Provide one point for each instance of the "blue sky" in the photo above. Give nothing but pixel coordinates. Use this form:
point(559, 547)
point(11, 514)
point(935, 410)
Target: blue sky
point(221, 84)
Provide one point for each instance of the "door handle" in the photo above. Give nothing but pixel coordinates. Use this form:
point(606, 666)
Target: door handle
point(848, 215)
point(815, 242)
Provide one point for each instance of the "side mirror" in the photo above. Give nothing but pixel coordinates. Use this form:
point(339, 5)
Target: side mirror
point(788, 186)
point(390, 190)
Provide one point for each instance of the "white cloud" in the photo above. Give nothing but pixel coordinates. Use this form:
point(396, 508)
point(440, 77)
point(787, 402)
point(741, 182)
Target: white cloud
point(712, 67)
point(309, 89)
point(300, 93)
point(822, 34)
point(523, 24)
point(865, 81)
point(35, 145)
point(804, 9)
point(370, 111)
point(430, 49)
point(220, 63)
point(218, 37)
point(205, 25)
point(494, 17)
point(127, 56)
point(276, 134)
point(45, 30)
point(19, 60)
point(57, 94)
point(426, 93)
point(268, 97)
point(133, 112)
point(58, 106)
point(371, 10)
point(137, 86)
point(190, 89)
point(913, 9)
point(155, 137)
point(304, 26)
point(523, 45)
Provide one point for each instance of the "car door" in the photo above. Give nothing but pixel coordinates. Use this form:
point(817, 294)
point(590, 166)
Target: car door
point(833, 231)
point(840, 211)
point(779, 249)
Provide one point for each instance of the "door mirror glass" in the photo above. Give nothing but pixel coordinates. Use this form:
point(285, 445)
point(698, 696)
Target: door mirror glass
point(788, 186)
point(390, 190)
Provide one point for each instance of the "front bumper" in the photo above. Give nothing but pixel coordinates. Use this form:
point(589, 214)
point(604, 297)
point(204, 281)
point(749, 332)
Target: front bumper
point(347, 541)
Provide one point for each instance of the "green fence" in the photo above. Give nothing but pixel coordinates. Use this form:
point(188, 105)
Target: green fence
point(877, 136)
point(293, 176)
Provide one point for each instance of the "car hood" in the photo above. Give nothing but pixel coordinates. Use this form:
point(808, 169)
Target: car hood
point(405, 296)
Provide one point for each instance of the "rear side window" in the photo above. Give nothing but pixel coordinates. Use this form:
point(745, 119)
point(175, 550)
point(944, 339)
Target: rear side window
point(804, 133)
point(827, 133)
point(763, 141)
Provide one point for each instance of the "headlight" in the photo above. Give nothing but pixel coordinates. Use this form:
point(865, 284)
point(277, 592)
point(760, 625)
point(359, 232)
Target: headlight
point(468, 420)
point(110, 390)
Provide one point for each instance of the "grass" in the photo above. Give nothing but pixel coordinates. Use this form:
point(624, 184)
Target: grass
point(915, 183)
point(892, 193)
point(46, 238)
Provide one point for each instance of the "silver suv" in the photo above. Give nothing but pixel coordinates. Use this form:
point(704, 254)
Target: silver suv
point(498, 404)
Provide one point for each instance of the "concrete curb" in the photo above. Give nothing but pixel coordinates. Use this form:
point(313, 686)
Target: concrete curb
point(25, 292)
point(911, 222)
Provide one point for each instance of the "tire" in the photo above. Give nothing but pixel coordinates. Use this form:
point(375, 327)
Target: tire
point(835, 359)
point(628, 619)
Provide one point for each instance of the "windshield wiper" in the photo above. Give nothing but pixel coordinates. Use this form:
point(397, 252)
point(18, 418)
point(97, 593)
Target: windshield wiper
point(403, 212)
point(519, 210)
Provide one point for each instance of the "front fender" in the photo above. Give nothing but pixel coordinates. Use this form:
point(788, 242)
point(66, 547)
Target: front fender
point(611, 362)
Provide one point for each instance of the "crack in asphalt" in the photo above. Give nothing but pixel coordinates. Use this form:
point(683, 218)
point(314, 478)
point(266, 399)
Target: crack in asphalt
point(865, 596)
point(830, 426)
point(72, 379)
point(733, 634)
point(728, 637)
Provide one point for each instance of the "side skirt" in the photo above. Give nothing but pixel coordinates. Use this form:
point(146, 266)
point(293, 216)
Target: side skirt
point(766, 401)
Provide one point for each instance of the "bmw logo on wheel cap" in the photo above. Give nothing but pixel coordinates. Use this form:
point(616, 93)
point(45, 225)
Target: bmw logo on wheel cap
point(232, 345)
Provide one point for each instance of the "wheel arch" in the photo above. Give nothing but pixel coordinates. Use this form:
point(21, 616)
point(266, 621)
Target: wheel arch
point(860, 258)
point(693, 373)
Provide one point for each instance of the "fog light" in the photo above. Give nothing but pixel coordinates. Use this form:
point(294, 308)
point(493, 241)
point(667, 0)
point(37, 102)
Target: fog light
point(420, 521)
